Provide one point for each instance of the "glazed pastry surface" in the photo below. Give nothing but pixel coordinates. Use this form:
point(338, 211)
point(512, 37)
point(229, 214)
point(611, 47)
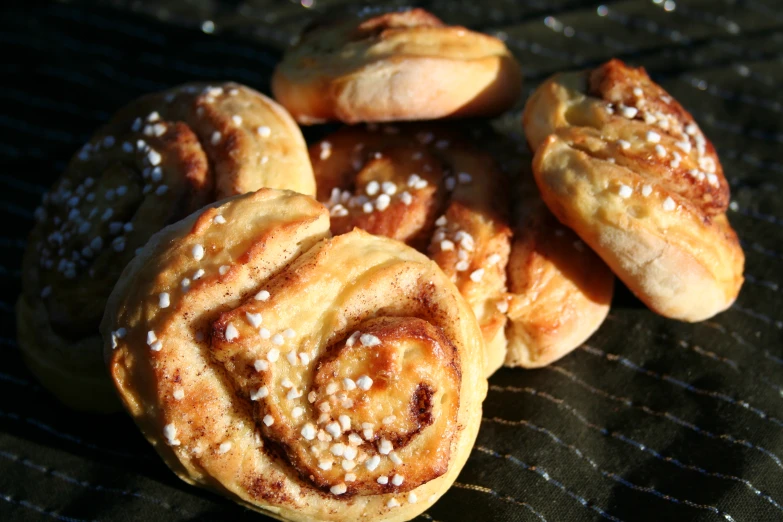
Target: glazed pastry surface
point(309, 377)
point(620, 162)
point(158, 159)
point(405, 65)
point(434, 189)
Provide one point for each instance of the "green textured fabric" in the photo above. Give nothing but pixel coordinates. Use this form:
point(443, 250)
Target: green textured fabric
point(651, 420)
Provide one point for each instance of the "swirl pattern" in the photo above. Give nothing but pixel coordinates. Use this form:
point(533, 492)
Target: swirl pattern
point(158, 159)
point(308, 377)
point(429, 187)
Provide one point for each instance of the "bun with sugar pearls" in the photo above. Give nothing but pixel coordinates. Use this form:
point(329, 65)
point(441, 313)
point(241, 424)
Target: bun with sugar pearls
point(624, 165)
point(157, 160)
point(308, 377)
point(430, 187)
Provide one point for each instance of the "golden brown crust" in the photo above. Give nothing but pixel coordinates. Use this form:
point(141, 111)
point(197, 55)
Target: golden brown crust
point(156, 161)
point(680, 262)
point(405, 65)
point(640, 126)
point(559, 290)
point(254, 382)
point(625, 166)
point(251, 141)
point(429, 187)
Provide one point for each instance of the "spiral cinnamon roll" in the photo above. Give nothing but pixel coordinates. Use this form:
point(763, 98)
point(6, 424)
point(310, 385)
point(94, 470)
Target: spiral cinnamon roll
point(623, 164)
point(158, 159)
point(405, 65)
point(306, 377)
point(429, 187)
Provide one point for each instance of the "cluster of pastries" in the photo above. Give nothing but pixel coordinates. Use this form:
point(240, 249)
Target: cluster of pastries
point(158, 159)
point(310, 331)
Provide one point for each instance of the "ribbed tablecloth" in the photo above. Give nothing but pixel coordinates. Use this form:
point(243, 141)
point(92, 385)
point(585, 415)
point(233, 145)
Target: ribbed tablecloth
point(650, 420)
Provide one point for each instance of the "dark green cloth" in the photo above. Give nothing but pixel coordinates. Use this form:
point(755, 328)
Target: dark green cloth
point(652, 420)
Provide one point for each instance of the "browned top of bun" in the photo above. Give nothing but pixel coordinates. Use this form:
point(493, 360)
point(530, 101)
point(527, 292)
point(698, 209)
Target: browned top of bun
point(640, 125)
point(432, 188)
point(405, 65)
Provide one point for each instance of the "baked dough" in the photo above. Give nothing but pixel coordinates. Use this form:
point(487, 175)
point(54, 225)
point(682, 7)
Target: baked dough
point(312, 379)
point(560, 291)
point(405, 65)
point(158, 159)
point(431, 188)
point(250, 140)
point(620, 162)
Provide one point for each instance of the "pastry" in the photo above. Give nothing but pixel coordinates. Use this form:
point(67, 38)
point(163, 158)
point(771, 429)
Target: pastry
point(559, 290)
point(158, 159)
point(429, 187)
point(405, 65)
point(250, 140)
point(623, 164)
point(309, 378)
